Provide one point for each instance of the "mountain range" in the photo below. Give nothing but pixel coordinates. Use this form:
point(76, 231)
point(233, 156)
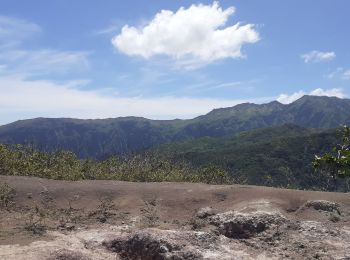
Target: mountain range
point(100, 138)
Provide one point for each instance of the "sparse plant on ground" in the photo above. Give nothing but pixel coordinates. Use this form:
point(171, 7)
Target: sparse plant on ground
point(105, 208)
point(35, 222)
point(7, 194)
point(150, 213)
point(69, 216)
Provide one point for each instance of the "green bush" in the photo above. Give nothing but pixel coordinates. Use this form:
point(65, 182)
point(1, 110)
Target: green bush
point(64, 165)
point(337, 162)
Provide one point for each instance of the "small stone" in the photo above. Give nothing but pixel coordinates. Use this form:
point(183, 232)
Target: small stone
point(163, 249)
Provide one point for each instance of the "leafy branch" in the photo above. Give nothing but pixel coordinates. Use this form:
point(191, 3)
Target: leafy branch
point(336, 162)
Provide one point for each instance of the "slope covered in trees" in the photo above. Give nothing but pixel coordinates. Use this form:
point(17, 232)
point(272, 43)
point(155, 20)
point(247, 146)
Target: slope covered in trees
point(105, 137)
point(274, 156)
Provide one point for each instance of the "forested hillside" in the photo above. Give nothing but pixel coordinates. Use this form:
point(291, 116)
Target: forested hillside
point(106, 137)
point(274, 156)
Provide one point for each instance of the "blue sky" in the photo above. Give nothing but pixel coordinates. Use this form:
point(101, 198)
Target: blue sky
point(98, 59)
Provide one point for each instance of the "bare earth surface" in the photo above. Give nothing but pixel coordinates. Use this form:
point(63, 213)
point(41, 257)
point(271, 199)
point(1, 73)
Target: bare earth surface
point(60, 220)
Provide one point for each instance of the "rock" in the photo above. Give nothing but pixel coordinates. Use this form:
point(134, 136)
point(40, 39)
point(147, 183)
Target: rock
point(205, 212)
point(323, 205)
point(242, 225)
point(334, 218)
point(153, 243)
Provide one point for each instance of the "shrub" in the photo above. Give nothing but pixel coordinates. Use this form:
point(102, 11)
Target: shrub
point(337, 162)
point(64, 165)
point(7, 194)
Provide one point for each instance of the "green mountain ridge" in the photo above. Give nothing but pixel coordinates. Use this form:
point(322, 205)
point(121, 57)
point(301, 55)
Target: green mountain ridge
point(103, 137)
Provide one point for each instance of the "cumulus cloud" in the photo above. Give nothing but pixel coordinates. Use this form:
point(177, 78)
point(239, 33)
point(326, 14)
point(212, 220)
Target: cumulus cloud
point(318, 56)
point(21, 98)
point(286, 99)
point(334, 92)
point(193, 37)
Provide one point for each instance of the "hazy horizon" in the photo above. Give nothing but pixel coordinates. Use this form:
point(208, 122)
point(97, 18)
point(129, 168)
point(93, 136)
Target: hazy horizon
point(150, 118)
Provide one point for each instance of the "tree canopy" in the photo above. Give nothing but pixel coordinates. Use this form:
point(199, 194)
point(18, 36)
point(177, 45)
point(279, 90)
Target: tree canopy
point(336, 162)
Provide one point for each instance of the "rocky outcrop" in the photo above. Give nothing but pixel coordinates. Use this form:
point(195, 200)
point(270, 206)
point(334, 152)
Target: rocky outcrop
point(254, 235)
point(156, 244)
point(323, 205)
point(241, 225)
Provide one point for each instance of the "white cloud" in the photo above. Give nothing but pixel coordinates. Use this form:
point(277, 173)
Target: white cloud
point(335, 73)
point(109, 30)
point(346, 75)
point(13, 30)
point(21, 98)
point(286, 99)
point(339, 73)
point(43, 61)
point(318, 56)
point(16, 59)
point(193, 37)
point(334, 92)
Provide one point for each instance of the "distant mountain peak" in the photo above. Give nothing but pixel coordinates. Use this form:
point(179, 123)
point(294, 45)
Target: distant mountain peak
point(275, 102)
point(318, 98)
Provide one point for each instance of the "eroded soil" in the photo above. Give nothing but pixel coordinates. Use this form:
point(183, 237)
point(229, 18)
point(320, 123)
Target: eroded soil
point(120, 220)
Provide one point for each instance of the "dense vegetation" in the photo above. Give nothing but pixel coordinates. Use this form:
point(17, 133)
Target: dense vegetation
point(103, 138)
point(336, 162)
point(64, 165)
point(274, 156)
